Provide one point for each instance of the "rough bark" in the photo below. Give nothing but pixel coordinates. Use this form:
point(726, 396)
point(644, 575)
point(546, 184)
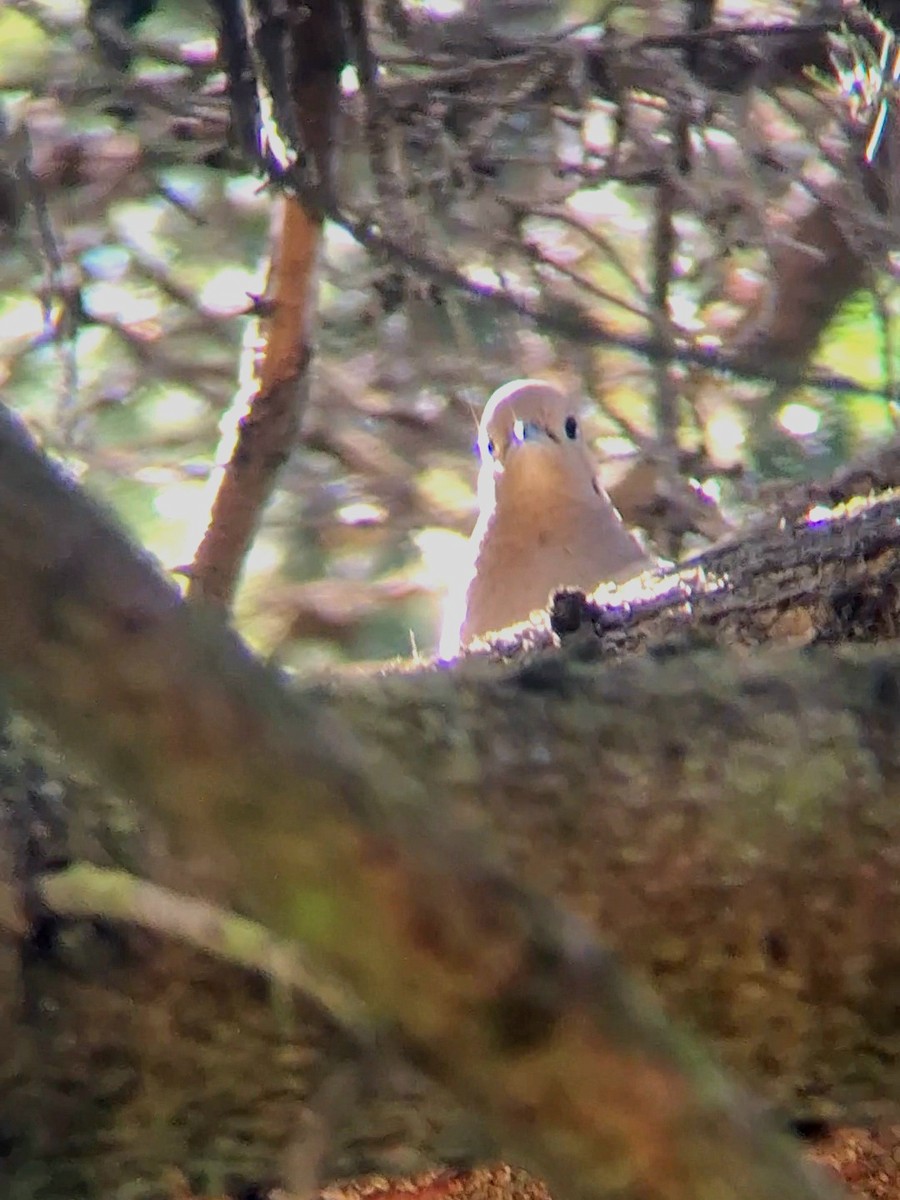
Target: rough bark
point(728, 825)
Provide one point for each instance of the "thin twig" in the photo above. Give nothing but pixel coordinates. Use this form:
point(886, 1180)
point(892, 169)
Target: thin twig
point(572, 321)
point(538, 255)
point(65, 325)
point(592, 235)
point(85, 891)
point(663, 247)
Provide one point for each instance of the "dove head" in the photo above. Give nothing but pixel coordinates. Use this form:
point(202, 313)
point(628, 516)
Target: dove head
point(530, 433)
point(543, 522)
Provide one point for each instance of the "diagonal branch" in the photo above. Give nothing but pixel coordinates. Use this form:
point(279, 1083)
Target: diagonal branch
point(572, 321)
point(267, 432)
point(500, 994)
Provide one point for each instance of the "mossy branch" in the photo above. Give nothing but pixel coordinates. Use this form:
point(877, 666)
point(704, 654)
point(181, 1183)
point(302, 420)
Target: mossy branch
point(502, 995)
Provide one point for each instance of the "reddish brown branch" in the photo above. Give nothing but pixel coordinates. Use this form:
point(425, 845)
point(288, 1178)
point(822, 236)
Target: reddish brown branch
point(267, 432)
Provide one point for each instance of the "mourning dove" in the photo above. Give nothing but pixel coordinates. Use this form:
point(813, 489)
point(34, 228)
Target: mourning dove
point(544, 521)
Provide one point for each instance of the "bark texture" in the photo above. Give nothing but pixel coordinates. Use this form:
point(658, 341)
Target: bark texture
point(728, 824)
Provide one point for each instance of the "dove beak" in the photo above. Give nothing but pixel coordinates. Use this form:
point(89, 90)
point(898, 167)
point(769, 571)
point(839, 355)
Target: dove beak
point(529, 431)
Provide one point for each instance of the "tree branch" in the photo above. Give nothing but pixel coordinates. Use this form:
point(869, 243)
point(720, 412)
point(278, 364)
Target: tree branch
point(83, 890)
point(572, 321)
point(266, 434)
point(262, 438)
point(501, 995)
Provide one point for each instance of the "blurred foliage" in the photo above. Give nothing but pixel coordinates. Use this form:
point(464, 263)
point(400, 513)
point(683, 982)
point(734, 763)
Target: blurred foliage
point(132, 245)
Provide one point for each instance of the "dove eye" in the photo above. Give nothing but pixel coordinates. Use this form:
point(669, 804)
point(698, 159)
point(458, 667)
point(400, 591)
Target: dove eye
point(490, 447)
point(571, 428)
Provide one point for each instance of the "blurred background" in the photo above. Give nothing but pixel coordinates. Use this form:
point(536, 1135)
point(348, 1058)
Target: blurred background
point(702, 177)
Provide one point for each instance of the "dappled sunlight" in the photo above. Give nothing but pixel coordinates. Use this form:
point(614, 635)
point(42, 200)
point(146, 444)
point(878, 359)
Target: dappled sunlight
point(165, 253)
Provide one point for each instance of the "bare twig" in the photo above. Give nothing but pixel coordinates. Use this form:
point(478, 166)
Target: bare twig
point(572, 321)
point(84, 890)
point(664, 245)
point(64, 325)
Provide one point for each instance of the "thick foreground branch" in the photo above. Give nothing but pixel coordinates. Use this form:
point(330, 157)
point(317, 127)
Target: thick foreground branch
point(501, 995)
